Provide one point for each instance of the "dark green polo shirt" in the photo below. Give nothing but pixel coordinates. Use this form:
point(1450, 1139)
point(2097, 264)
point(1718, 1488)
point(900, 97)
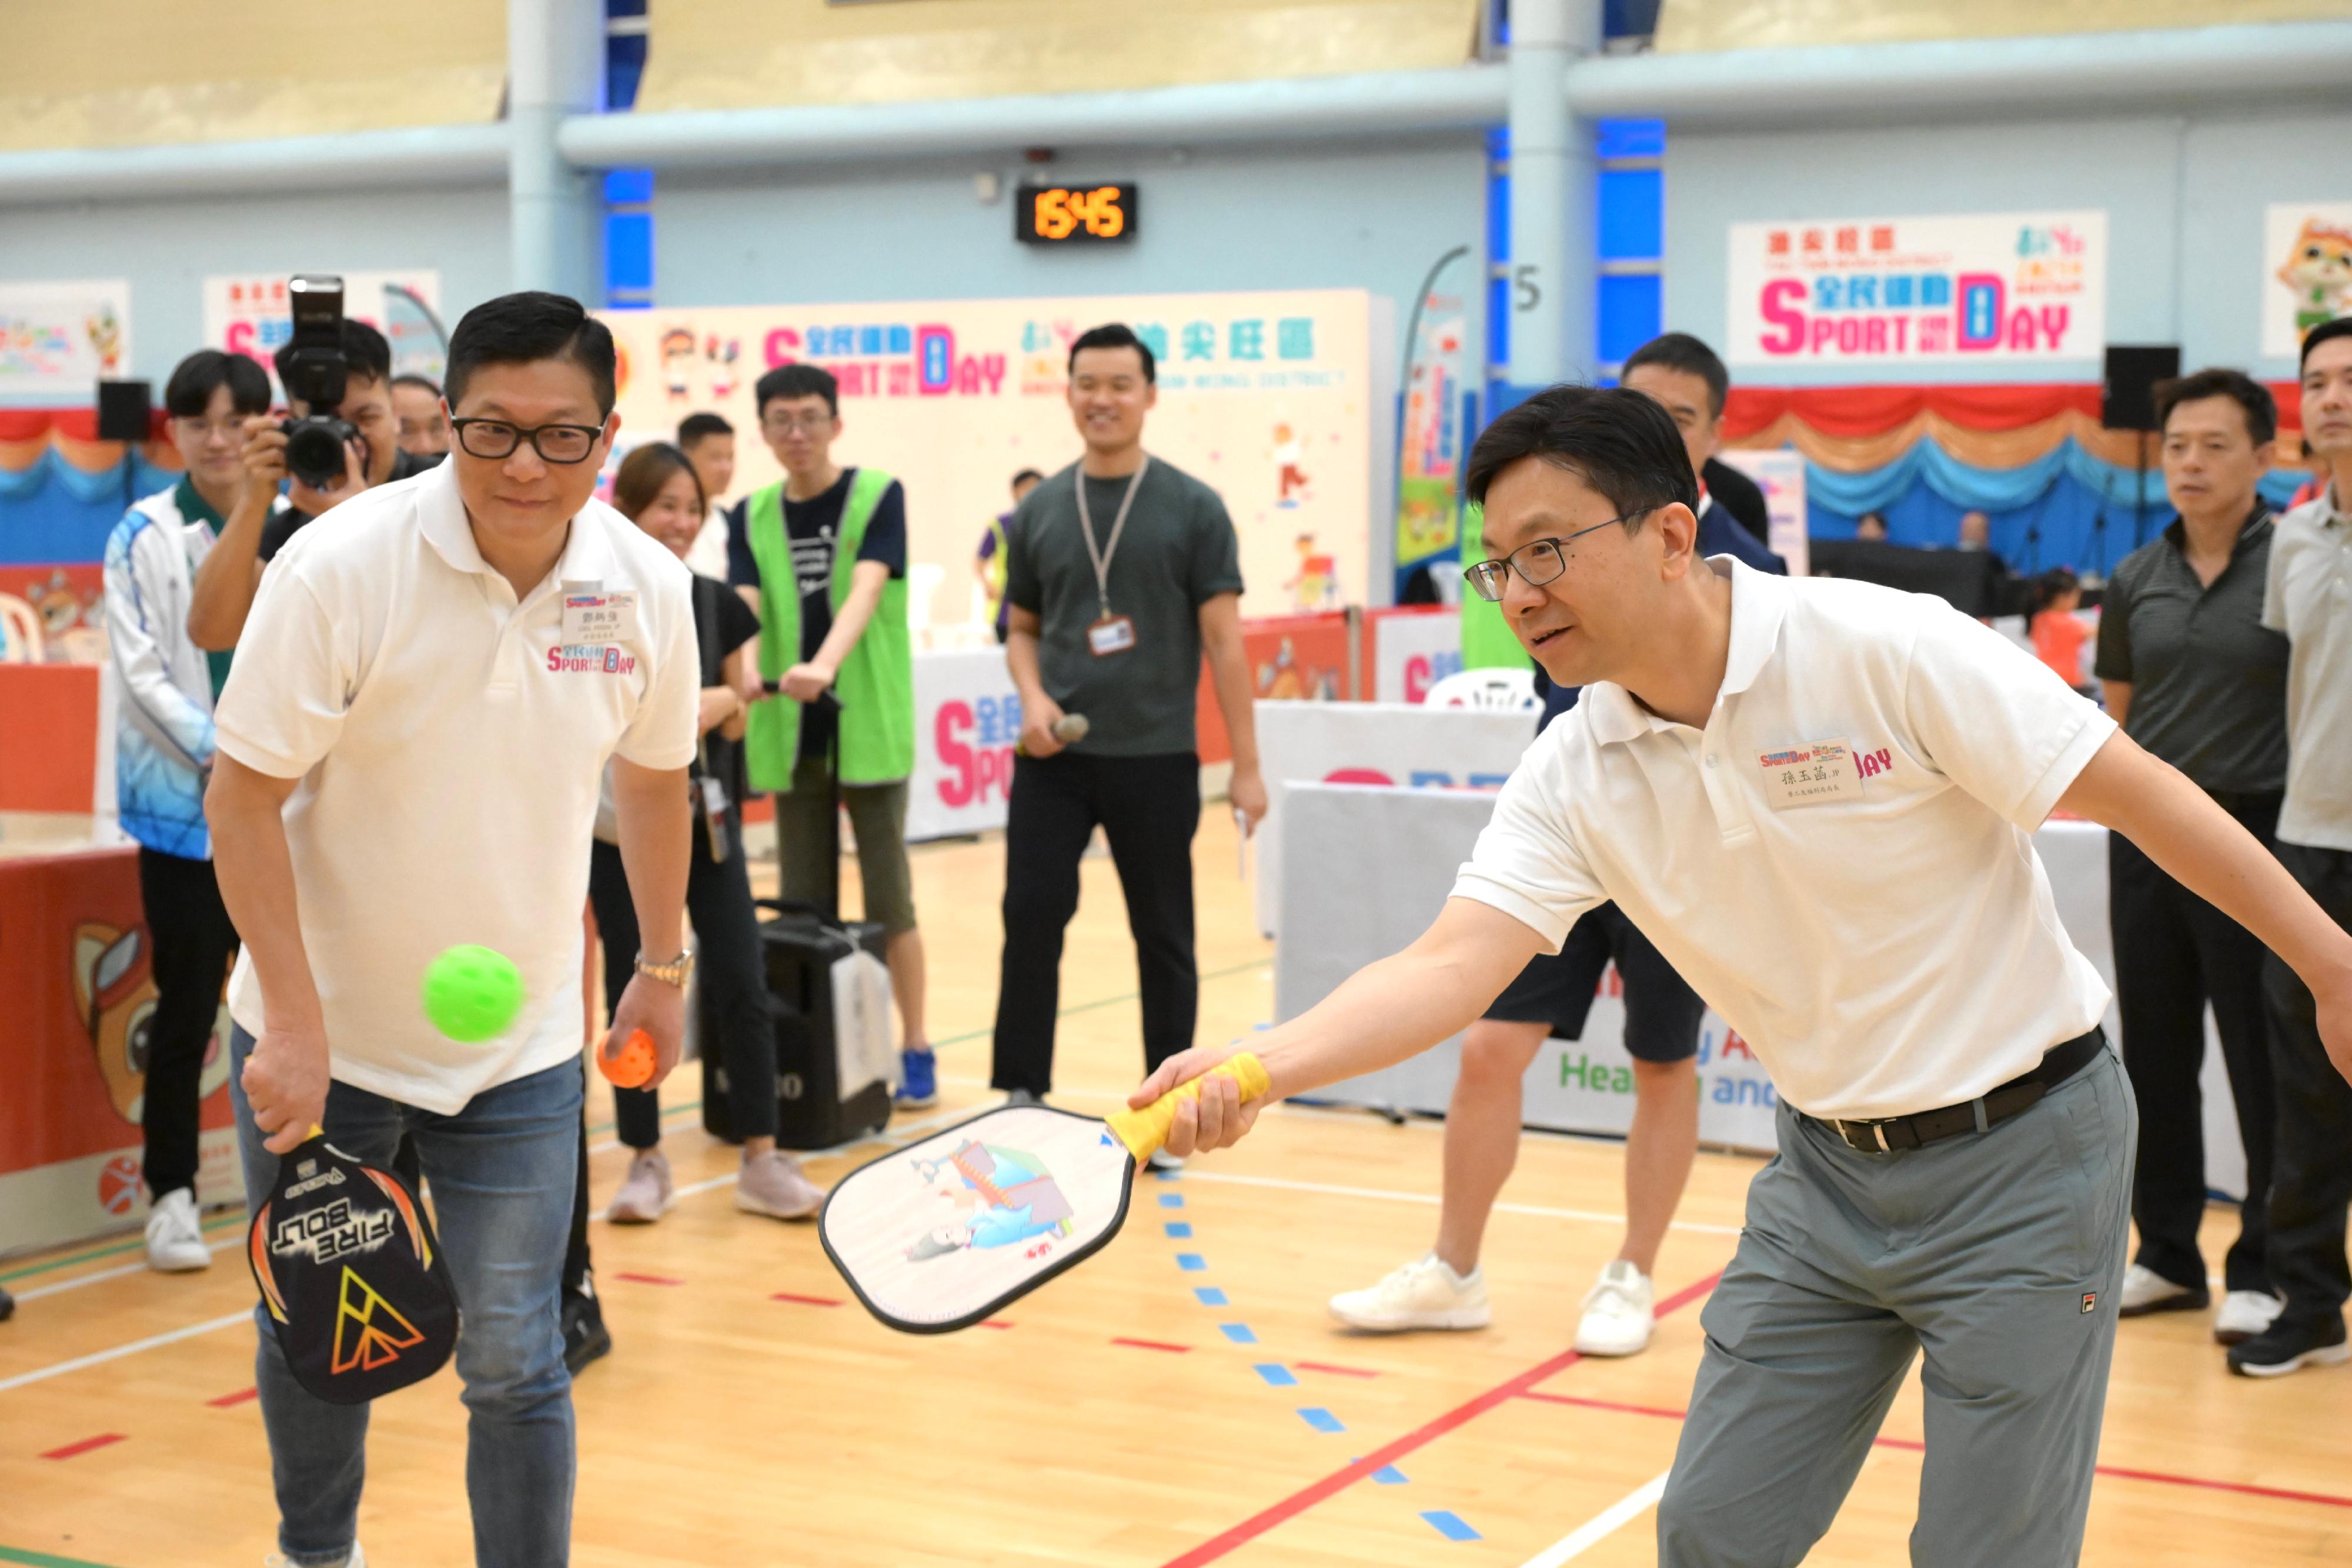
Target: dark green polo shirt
point(2209, 680)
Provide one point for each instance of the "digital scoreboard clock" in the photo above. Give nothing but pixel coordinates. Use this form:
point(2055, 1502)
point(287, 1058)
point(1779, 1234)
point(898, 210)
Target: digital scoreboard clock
point(1073, 214)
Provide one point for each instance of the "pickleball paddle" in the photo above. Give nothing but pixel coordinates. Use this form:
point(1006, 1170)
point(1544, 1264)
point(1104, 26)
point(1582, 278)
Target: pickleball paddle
point(937, 1236)
point(352, 1275)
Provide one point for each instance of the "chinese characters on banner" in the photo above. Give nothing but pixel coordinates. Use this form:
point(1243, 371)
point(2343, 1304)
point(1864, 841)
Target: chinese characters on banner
point(246, 314)
point(1429, 524)
point(57, 340)
point(2306, 271)
point(1265, 397)
point(1908, 290)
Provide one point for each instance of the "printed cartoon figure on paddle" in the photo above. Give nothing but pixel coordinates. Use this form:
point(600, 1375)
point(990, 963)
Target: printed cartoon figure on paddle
point(1006, 1197)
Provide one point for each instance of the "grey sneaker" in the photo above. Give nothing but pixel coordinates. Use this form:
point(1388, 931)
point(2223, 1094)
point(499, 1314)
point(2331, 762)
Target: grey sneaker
point(1013, 1097)
point(644, 1194)
point(772, 1184)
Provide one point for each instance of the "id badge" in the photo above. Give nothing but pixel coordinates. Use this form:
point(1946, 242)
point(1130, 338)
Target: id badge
point(594, 617)
point(1111, 635)
point(714, 814)
point(1811, 774)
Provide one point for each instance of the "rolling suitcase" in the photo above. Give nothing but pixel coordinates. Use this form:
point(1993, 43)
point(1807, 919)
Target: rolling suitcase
point(837, 1064)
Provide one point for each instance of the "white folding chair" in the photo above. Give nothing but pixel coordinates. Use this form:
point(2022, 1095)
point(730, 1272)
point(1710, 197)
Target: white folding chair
point(1491, 691)
point(21, 642)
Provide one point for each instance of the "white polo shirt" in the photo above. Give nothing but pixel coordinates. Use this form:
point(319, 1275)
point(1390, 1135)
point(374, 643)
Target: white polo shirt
point(1888, 947)
point(2308, 596)
point(448, 745)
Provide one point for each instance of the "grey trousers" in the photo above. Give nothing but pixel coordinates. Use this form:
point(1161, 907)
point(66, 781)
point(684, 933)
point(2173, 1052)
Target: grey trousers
point(1999, 1254)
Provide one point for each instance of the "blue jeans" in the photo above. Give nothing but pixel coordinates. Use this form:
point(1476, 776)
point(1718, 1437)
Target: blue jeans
point(501, 1171)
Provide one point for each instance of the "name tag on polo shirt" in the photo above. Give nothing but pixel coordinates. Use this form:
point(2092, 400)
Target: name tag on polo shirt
point(592, 616)
point(1811, 774)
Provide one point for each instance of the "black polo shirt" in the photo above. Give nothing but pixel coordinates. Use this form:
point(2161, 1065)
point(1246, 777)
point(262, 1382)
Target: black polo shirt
point(2208, 679)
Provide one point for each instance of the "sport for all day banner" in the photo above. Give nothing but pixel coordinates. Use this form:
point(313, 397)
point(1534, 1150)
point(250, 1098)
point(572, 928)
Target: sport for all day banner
point(2307, 267)
point(1902, 291)
point(1265, 397)
point(57, 340)
point(246, 314)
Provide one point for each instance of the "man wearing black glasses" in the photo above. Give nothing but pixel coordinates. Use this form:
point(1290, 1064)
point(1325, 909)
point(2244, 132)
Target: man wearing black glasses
point(410, 748)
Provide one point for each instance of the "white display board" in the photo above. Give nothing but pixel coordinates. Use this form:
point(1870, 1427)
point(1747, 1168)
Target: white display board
point(1779, 473)
point(966, 721)
point(57, 340)
point(1345, 909)
point(1373, 743)
point(1412, 650)
point(245, 313)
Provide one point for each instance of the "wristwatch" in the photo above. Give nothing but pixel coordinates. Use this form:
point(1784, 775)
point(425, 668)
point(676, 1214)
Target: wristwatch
point(673, 973)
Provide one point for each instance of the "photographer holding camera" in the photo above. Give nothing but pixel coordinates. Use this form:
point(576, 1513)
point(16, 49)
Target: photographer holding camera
point(338, 377)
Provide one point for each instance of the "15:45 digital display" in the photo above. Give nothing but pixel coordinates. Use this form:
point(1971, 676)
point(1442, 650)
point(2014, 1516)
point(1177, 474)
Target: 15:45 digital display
point(1073, 214)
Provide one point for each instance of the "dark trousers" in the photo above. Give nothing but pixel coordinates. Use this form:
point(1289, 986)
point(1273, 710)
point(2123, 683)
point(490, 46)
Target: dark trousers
point(1149, 807)
point(2311, 1184)
point(2174, 954)
point(193, 942)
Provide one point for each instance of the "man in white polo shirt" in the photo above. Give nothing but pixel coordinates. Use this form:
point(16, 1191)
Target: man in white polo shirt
point(410, 746)
point(1815, 796)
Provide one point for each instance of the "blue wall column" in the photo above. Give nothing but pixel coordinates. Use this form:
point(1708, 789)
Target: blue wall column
point(1553, 173)
point(555, 68)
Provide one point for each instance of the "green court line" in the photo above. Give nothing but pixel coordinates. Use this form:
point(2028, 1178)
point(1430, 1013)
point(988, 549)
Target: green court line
point(228, 1220)
point(44, 1560)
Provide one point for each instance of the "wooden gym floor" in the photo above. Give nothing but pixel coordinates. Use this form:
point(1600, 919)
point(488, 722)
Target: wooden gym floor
point(1182, 1399)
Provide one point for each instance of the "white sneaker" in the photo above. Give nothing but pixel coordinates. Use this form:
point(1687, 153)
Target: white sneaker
point(1426, 1294)
point(358, 1559)
point(2244, 1314)
point(175, 1234)
point(1162, 1160)
point(2145, 1291)
point(645, 1195)
point(1618, 1317)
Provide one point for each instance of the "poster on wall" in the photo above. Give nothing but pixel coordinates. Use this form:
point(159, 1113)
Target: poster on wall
point(1779, 473)
point(1264, 396)
point(2007, 287)
point(57, 340)
point(1429, 479)
point(2308, 271)
point(245, 313)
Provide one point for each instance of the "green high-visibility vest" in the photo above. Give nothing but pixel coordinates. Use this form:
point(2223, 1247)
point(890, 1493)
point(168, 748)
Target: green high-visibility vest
point(875, 684)
point(1487, 641)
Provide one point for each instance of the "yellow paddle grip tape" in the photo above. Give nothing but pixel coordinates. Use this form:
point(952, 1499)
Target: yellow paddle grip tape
point(1144, 1131)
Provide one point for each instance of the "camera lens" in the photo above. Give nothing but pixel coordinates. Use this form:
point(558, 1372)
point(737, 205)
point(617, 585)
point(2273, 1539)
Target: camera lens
point(314, 450)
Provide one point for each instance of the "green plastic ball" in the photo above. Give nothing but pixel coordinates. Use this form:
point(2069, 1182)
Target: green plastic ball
point(472, 993)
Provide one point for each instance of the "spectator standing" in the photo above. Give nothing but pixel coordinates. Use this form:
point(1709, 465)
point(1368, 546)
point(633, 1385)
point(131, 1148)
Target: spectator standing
point(165, 689)
point(2058, 637)
point(424, 422)
point(1122, 570)
point(1685, 375)
point(2309, 598)
point(988, 565)
point(822, 555)
point(2193, 676)
point(709, 442)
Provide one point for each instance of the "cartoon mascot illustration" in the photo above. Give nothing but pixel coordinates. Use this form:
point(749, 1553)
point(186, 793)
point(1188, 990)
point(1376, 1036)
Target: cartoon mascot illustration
point(114, 983)
point(2319, 269)
point(677, 360)
point(1008, 1198)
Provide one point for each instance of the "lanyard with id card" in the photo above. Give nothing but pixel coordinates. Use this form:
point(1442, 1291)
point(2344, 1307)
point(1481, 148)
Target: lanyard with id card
point(1109, 634)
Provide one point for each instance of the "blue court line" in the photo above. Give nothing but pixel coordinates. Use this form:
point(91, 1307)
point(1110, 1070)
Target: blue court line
point(1178, 1230)
point(1172, 1200)
point(1208, 1295)
point(1389, 1476)
point(1168, 1176)
point(1450, 1525)
point(1322, 1420)
point(1277, 1375)
point(1238, 1332)
point(1190, 1262)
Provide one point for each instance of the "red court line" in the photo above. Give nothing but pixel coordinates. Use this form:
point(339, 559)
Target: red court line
point(1912, 1444)
point(1334, 1371)
point(1153, 1344)
point(239, 1397)
point(803, 1301)
point(1379, 1458)
point(995, 1324)
point(649, 1279)
point(84, 1446)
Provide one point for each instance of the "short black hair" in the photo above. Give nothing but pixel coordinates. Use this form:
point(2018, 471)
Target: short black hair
point(2261, 408)
point(1681, 352)
point(411, 379)
point(193, 380)
point(1114, 335)
point(366, 354)
point(790, 381)
point(696, 426)
point(1028, 474)
point(1621, 442)
point(2339, 328)
point(517, 329)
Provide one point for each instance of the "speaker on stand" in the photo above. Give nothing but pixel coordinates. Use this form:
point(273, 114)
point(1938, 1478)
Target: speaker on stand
point(2128, 401)
point(126, 414)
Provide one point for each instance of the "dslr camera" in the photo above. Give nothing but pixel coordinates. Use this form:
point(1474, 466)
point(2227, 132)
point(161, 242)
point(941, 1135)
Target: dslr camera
point(314, 371)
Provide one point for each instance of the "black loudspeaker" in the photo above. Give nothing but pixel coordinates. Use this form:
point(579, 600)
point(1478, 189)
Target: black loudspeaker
point(124, 410)
point(2127, 390)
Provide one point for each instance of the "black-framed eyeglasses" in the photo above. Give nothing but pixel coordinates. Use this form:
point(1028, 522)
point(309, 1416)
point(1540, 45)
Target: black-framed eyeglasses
point(1536, 563)
point(553, 442)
